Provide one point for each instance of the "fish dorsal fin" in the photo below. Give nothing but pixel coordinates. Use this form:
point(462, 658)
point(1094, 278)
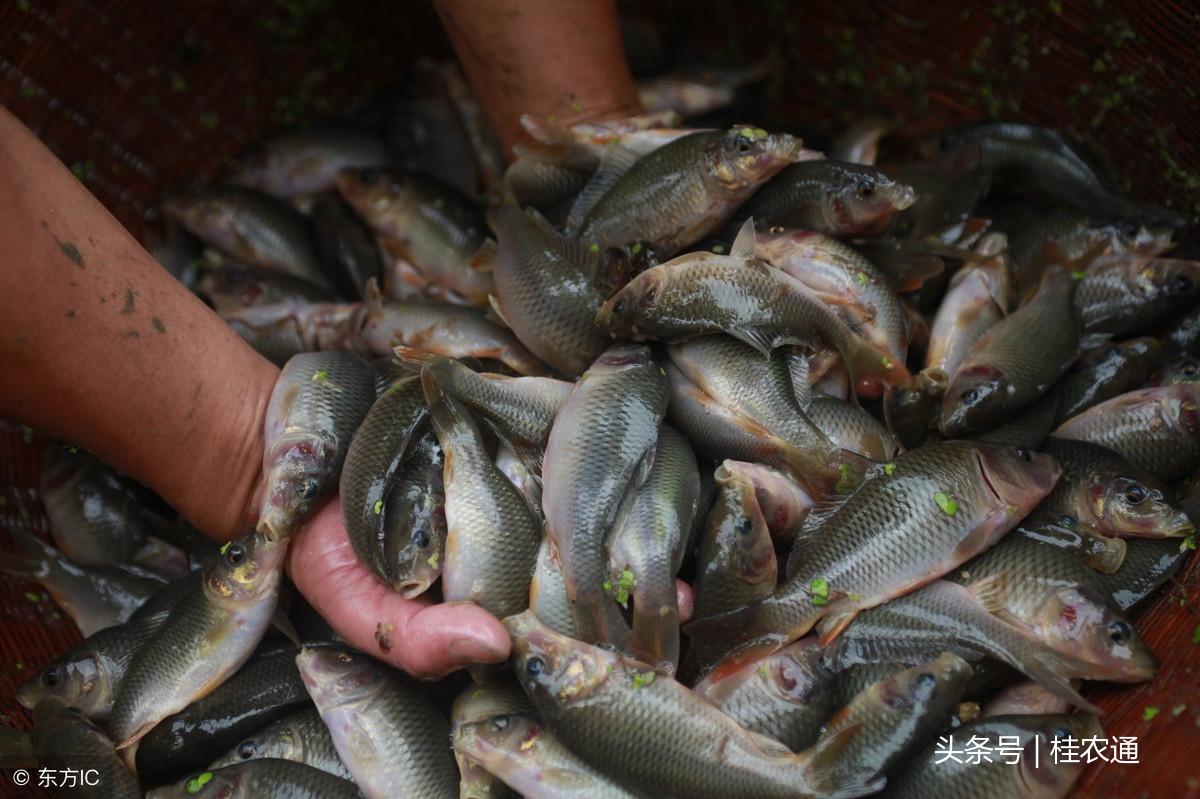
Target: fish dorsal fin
point(615, 162)
point(743, 244)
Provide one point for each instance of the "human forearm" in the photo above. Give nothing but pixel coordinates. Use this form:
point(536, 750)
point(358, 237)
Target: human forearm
point(103, 348)
point(541, 57)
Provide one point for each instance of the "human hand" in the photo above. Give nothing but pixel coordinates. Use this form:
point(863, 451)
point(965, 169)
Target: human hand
point(424, 639)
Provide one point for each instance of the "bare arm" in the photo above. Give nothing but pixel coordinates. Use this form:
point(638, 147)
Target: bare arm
point(102, 347)
point(541, 57)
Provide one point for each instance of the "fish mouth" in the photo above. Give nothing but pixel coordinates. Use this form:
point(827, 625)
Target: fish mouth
point(272, 525)
point(903, 197)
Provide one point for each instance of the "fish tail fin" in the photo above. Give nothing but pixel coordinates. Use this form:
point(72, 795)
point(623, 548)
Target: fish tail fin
point(656, 623)
point(831, 771)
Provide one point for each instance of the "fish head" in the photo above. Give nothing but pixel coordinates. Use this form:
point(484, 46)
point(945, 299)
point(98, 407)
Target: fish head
point(1179, 371)
point(784, 502)
point(299, 475)
point(78, 680)
point(747, 156)
point(1040, 773)
point(246, 569)
point(376, 192)
point(1077, 621)
point(255, 747)
point(336, 677)
point(1137, 506)
point(1171, 280)
point(1131, 236)
point(937, 683)
point(975, 397)
point(630, 306)
point(556, 671)
point(1018, 476)
point(495, 739)
point(424, 529)
point(795, 673)
point(864, 200)
point(207, 214)
point(741, 529)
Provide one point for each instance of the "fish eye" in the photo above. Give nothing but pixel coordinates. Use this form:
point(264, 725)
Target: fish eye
point(246, 750)
point(1068, 521)
point(744, 526)
point(535, 666)
point(1188, 369)
point(1119, 632)
point(1181, 284)
point(926, 680)
point(306, 489)
point(619, 307)
point(970, 396)
point(51, 676)
point(420, 538)
point(1061, 733)
point(370, 177)
point(1128, 228)
point(742, 144)
point(1136, 494)
point(499, 723)
point(235, 554)
point(865, 189)
point(1024, 454)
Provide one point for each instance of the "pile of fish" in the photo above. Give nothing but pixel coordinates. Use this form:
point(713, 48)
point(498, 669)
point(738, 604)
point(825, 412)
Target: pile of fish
point(921, 437)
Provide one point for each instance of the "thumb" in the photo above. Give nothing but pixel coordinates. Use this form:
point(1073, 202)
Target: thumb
point(423, 639)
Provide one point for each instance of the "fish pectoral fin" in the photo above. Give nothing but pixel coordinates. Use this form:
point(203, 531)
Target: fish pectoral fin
point(495, 312)
point(770, 746)
point(757, 339)
point(281, 622)
point(840, 614)
point(743, 244)
point(991, 592)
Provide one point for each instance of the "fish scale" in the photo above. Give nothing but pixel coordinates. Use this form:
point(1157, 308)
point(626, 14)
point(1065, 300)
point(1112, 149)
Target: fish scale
point(384, 725)
point(895, 533)
point(650, 542)
point(785, 696)
point(544, 292)
point(250, 225)
point(264, 689)
point(63, 738)
point(1000, 363)
point(686, 189)
point(739, 377)
point(1156, 429)
point(492, 535)
point(668, 743)
point(383, 442)
point(601, 443)
point(269, 778)
point(301, 737)
point(931, 773)
point(318, 402)
point(210, 632)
